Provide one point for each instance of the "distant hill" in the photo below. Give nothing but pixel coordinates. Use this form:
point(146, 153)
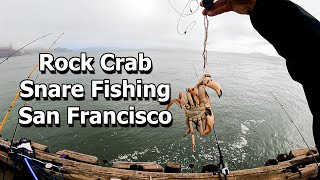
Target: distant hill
point(61, 49)
point(7, 51)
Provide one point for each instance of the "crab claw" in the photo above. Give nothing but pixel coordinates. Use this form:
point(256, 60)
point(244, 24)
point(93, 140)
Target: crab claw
point(213, 85)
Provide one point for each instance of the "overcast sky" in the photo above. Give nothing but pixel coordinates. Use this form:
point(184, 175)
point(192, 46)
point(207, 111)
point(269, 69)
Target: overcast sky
point(128, 24)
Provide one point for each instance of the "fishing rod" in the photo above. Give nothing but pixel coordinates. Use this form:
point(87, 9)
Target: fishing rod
point(14, 101)
point(224, 169)
point(24, 47)
point(296, 128)
point(20, 50)
point(18, 93)
point(16, 128)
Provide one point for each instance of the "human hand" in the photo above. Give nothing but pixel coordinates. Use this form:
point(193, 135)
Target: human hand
point(222, 6)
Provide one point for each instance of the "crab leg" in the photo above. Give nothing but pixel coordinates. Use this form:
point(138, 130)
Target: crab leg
point(181, 101)
point(177, 101)
point(194, 93)
point(204, 123)
point(199, 125)
point(210, 122)
point(193, 138)
point(184, 101)
point(188, 130)
point(189, 97)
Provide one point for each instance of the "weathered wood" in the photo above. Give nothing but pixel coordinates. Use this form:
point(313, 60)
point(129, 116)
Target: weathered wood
point(7, 143)
point(8, 175)
point(71, 167)
point(79, 156)
point(81, 171)
point(304, 159)
point(4, 157)
point(34, 145)
point(141, 166)
point(40, 147)
point(301, 152)
point(172, 167)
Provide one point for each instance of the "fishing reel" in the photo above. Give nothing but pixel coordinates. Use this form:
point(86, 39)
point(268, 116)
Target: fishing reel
point(225, 171)
point(207, 3)
point(215, 169)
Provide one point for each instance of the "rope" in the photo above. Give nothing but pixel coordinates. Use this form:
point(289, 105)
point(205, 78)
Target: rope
point(18, 93)
point(296, 128)
point(205, 52)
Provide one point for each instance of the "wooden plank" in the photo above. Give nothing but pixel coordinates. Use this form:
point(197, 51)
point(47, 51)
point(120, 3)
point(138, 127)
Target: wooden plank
point(301, 152)
point(79, 156)
point(7, 143)
point(141, 166)
point(172, 167)
point(34, 145)
point(40, 147)
point(92, 171)
point(77, 170)
point(304, 159)
point(3, 158)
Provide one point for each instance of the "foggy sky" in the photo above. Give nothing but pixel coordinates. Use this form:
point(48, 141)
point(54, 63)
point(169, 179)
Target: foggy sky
point(128, 24)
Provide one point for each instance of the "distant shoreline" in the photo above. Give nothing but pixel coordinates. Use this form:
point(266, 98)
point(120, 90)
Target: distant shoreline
point(8, 51)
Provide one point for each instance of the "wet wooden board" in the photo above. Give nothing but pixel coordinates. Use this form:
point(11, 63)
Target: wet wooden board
point(83, 170)
point(172, 167)
point(34, 145)
point(79, 156)
point(142, 166)
point(301, 152)
point(40, 147)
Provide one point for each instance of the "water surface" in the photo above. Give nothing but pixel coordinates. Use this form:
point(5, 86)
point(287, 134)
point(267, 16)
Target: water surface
point(250, 124)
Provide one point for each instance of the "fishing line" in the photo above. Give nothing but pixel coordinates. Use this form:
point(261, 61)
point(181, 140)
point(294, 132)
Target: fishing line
point(190, 9)
point(15, 99)
point(16, 128)
point(183, 15)
point(296, 128)
point(20, 50)
point(235, 165)
point(192, 25)
point(18, 93)
point(25, 46)
point(195, 72)
point(221, 163)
